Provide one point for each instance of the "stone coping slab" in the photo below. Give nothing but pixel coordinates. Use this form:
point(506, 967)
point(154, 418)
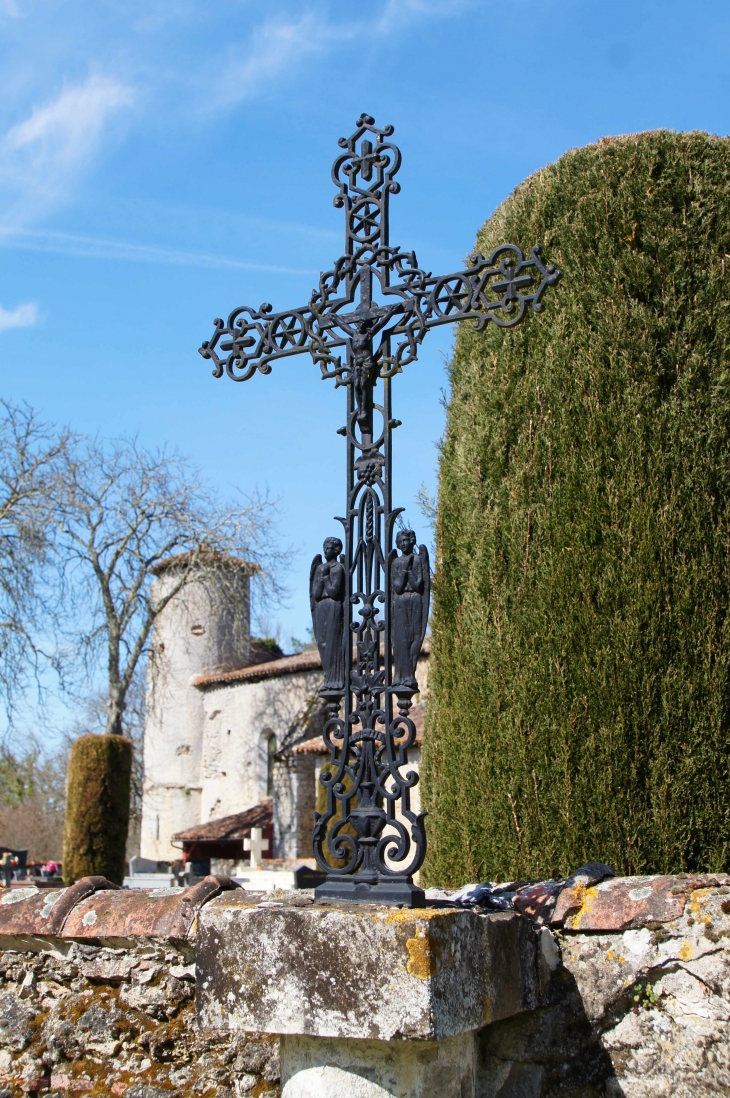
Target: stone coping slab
point(632, 902)
point(30, 914)
point(358, 970)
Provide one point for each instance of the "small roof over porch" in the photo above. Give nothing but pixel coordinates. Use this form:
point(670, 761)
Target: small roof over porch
point(223, 838)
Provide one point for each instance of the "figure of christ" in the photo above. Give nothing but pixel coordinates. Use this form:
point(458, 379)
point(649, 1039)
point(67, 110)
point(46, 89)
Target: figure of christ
point(365, 370)
point(410, 581)
point(326, 599)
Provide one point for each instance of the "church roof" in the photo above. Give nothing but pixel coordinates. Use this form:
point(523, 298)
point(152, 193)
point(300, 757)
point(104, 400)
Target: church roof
point(236, 826)
point(317, 745)
point(287, 665)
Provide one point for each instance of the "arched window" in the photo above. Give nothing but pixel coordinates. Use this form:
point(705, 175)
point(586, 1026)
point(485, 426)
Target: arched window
point(270, 760)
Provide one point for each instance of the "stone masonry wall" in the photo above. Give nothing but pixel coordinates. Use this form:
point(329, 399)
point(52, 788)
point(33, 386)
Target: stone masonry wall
point(99, 1021)
point(97, 995)
point(97, 990)
point(636, 1004)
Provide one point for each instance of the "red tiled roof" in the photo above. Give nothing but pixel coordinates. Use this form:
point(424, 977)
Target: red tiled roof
point(317, 745)
point(231, 827)
point(287, 665)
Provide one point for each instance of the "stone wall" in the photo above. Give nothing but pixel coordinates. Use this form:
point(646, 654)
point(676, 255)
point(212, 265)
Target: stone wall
point(294, 794)
point(631, 982)
point(97, 997)
point(201, 628)
point(240, 714)
point(637, 997)
point(93, 1020)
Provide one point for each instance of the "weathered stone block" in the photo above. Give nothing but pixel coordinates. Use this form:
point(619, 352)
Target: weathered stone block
point(360, 971)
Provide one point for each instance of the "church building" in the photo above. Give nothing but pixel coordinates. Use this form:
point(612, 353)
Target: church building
point(232, 727)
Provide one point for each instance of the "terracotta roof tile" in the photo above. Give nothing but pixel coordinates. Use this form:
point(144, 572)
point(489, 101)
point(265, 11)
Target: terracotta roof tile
point(230, 827)
point(94, 908)
point(287, 665)
point(135, 913)
point(204, 557)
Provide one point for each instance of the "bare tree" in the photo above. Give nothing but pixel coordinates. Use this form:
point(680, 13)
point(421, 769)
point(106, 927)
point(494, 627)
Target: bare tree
point(31, 455)
point(125, 509)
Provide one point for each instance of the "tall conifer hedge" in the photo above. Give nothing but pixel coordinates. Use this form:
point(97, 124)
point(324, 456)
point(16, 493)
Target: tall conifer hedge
point(581, 639)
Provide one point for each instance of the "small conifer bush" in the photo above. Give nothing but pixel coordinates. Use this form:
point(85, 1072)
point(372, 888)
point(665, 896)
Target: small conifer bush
point(581, 637)
point(97, 808)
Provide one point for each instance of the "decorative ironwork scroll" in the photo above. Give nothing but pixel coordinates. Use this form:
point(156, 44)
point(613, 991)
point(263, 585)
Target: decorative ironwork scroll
point(362, 324)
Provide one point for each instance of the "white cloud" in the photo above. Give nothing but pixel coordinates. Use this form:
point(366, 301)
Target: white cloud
point(92, 247)
point(397, 14)
point(24, 316)
point(41, 156)
point(277, 49)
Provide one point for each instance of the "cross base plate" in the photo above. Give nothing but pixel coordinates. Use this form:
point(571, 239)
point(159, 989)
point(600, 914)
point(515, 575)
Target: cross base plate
point(391, 891)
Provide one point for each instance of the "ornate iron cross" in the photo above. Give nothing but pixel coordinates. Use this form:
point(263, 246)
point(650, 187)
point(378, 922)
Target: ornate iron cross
point(369, 605)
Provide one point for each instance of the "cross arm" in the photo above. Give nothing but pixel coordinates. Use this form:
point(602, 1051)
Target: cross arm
point(498, 288)
point(251, 340)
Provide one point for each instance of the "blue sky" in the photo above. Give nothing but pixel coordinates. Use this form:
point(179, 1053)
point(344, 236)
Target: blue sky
point(162, 161)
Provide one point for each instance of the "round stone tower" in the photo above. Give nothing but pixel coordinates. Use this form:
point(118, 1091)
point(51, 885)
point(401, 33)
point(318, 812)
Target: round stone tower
point(204, 627)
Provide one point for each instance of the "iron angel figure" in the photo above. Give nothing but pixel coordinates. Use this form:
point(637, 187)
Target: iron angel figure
point(410, 579)
point(326, 599)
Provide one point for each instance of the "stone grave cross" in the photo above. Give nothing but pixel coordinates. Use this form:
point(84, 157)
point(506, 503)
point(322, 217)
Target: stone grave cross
point(257, 845)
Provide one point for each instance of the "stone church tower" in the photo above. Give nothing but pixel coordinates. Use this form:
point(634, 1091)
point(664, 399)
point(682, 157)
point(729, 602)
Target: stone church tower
point(230, 723)
point(203, 629)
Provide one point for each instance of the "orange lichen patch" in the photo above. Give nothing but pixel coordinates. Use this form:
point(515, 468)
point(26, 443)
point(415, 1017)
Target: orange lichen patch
point(421, 960)
point(487, 1010)
point(696, 900)
point(588, 897)
point(577, 893)
point(408, 915)
point(260, 1088)
point(610, 955)
point(685, 952)
point(568, 903)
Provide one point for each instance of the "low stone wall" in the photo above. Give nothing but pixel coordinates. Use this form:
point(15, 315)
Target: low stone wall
point(99, 1021)
point(631, 994)
point(102, 1000)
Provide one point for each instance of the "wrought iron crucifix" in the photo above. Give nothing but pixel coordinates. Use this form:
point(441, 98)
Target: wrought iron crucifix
point(370, 606)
